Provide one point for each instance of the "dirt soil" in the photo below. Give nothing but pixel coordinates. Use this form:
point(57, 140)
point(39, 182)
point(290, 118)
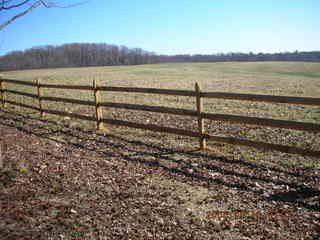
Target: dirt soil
point(60, 181)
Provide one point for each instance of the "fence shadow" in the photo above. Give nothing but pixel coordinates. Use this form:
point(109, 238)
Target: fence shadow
point(129, 150)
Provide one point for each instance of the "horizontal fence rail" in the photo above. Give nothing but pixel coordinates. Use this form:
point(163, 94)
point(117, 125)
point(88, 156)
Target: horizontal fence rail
point(21, 93)
point(185, 93)
point(151, 127)
point(175, 111)
point(310, 127)
point(262, 98)
point(22, 105)
point(96, 88)
point(18, 82)
point(70, 87)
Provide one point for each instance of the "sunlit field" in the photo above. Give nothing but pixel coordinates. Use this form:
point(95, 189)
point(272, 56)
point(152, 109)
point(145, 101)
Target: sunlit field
point(272, 78)
point(66, 180)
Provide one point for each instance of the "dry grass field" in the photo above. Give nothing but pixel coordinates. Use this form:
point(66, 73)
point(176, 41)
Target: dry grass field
point(273, 78)
point(134, 184)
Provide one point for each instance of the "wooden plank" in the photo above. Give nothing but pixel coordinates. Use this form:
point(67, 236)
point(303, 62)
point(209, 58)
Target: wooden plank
point(220, 95)
point(39, 91)
point(22, 93)
point(72, 115)
point(149, 90)
point(151, 127)
point(176, 111)
point(310, 127)
point(264, 146)
point(68, 100)
point(201, 130)
point(20, 82)
point(263, 98)
point(97, 100)
point(23, 105)
point(70, 87)
point(2, 91)
point(1, 157)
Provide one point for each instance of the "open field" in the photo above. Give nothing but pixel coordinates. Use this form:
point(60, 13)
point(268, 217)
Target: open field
point(273, 78)
point(152, 185)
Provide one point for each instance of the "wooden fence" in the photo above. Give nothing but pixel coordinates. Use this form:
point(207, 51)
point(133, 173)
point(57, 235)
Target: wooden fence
point(96, 88)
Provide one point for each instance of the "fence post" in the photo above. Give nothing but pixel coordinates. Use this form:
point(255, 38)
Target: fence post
point(202, 140)
point(3, 96)
point(1, 158)
point(97, 100)
point(39, 98)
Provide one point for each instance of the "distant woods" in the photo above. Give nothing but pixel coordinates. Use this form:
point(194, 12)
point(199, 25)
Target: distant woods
point(92, 54)
point(75, 55)
point(313, 56)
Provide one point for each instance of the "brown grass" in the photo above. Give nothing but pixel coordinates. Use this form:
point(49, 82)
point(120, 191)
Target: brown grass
point(79, 184)
point(275, 78)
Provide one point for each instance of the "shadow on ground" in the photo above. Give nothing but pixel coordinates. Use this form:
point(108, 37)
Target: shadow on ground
point(238, 174)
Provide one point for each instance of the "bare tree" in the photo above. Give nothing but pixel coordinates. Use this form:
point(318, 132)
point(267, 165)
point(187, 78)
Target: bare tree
point(23, 7)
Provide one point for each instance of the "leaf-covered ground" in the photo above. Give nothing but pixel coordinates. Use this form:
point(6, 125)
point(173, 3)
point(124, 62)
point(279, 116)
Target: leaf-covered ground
point(61, 181)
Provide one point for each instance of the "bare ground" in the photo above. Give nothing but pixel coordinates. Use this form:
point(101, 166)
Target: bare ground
point(64, 182)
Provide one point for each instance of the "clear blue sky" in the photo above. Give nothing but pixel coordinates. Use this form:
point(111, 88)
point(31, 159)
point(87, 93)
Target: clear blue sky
point(174, 26)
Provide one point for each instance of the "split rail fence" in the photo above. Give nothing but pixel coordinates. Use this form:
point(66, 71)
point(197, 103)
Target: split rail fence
point(96, 88)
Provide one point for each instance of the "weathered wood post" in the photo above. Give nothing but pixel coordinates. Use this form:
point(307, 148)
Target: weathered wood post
point(97, 100)
point(1, 157)
point(39, 97)
point(202, 140)
point(2, 91)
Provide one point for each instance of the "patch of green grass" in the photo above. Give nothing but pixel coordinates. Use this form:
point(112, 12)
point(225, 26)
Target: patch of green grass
point(291, 162)
point(312, 164)
point(23, 169)
point(76, 233)
point(301, 74)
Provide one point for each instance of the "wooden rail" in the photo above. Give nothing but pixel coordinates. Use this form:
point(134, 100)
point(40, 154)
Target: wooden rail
point(262, 98)
point(150, 91)
point(69, 87)
point(199, 113)
point(151, 127)
point(19, 82)
point(175, 111)
point(219, 95)
point(21, 93)
point(310, 127)
point(68, 100)
point(23, 105)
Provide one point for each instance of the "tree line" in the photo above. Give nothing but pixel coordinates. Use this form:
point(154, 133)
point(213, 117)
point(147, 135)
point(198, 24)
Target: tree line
point(102, 54)
point(75, 55)
point(312, 56)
